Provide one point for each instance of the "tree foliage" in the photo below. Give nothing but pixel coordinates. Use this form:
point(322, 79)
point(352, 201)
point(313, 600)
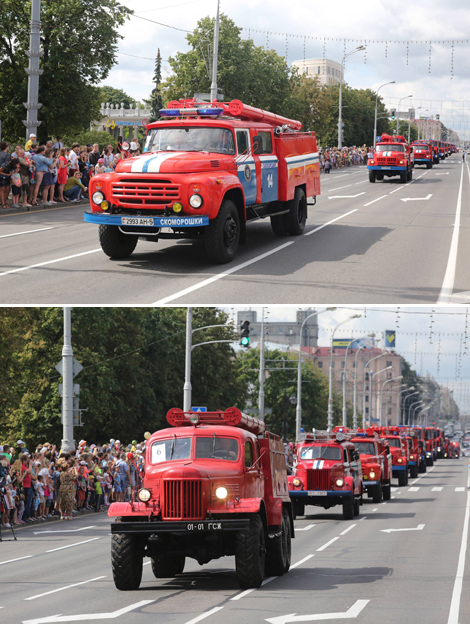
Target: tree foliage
point(111, 95)
point(156, 100)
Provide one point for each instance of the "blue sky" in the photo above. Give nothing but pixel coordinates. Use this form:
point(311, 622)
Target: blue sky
point(420, 20)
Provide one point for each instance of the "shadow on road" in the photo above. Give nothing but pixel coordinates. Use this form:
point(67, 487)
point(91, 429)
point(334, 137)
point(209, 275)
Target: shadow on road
point(331, 578)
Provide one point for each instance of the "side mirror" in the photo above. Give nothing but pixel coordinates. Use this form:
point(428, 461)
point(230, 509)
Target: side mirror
point(257, 144)
point(411, 150)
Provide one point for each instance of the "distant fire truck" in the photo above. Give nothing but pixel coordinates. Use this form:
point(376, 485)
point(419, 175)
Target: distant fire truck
point(423, 153)
point(215, 484)
point(208, 170)
point(393, 156)
point(399, 450)
point(327, 472)
point(376, 462)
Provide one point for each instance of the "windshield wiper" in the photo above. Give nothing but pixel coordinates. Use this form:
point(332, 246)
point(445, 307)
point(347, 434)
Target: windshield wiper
point(172, 446)
point(213, 447)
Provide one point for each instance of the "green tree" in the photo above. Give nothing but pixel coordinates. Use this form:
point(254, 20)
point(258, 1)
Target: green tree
point(404, 129)
point(79, 41)
point(156, 100)
point(111, 95)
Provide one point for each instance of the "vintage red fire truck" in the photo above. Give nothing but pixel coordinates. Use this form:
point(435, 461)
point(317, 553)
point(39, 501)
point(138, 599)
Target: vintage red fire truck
point(423, 155)
point(393, 156)
point(376, 463)
point(411, 437)
point(399, 450)
point(430, 445)
point(435, 151)
point(208, 169)
point(215, 484)
point(326, 472)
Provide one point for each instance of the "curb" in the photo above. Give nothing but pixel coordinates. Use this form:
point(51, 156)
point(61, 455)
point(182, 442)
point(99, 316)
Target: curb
point(47, 521)
point(42, 208)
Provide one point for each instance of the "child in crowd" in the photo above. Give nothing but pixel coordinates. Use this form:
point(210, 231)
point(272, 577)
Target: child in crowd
point(15, 182)
point(100, 167)
point(42, 498)
point(98, 493)
point(81, 488)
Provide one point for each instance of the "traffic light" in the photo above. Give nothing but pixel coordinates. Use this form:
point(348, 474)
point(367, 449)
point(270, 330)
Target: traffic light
point(245, 334)
point(393, 113)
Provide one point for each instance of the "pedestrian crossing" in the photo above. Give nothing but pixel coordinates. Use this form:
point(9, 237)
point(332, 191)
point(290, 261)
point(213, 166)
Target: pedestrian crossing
point(434, 489)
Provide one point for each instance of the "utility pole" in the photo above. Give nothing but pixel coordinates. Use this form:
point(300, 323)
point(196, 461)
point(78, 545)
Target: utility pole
point(68, 443)
point(187, 389)
point(33, 71)
point(215, 56)
point(261, 371)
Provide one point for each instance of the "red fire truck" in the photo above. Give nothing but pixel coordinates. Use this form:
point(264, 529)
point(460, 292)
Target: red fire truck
point(430, 445)
point(376, 463)
point(208, 170)
point(393, 156)
point(411, 436)
point(435, 151)
point(423, 153)
point(399, 451)
point(327, 472)
point(215, 484)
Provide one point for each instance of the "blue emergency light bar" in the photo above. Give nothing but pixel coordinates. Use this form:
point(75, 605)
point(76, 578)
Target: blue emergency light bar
point(191, 112)
point(362, 435)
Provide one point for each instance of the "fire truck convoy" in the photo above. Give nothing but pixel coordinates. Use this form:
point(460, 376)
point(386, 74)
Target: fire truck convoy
point(393, 156)
point(423, 154)
point(207, 170)
point(215, 484)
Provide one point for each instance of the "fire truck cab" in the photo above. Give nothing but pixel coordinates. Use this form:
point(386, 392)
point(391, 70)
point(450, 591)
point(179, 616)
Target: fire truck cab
point(393, 156)
point(376, 463)
point(423, 154)
point(410, 435)
point(207, 170)
point(215, 484)
point(327, 472)
point(399, 450)
point(429, 445)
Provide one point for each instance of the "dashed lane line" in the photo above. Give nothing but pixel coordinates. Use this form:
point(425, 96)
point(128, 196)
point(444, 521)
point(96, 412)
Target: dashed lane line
point(436, 489)
point(325, 546)
point(76, 544)
point(66, 587)
point(203, 616)
point(307, 528)
point(40, 264)
point(18, 559)
point(458, 584)
point(348, 529)
point(374, 200)
point(27, 232)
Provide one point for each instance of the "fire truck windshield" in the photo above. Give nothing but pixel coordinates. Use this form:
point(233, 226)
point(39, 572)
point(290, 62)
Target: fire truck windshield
point(191, 139)
point(174, 448)
point(394, 442)
point(317, 452)
point(365, 448)
point(217, 448)
point(395, 147)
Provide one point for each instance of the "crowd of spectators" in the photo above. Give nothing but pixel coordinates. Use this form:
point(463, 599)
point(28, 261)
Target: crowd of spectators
point(47, 482)
point(53, 173)
point(335, 158)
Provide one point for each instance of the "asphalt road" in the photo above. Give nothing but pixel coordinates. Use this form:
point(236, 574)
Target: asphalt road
point(363, 244)
point(355, 567)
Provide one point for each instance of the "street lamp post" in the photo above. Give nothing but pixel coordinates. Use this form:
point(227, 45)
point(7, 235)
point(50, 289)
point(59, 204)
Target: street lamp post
point(361, 348)
point(372, 387)
point(409, 410)
point(364, 387)
point(399, 403)
point(381, 395)
point(405, 421)
point(376, 104)
point(345, 416)
point(398, 111)
point(330, 380)
point(340, 120)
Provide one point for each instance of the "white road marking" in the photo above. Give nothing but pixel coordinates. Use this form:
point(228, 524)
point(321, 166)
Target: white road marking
point(423, 475)
point(413, 489)
point(446, 173)
point(363, 518)
point(338, 188)
point(348, 529)
point(352, 612)
point(67, 530)
point(76, 544)
point(219, 276)
point(436, 489)
point(347, 196)
point(459, 489)
point(19, 559)
point(363, 182)
point(27, 232)
point(420, 527)
point(461, 297)
point(449, 277)
point(455, 602)
point(374, 200)
point(307, 528)
point(296, 565)
point(66, 587)
point(53, 619)
point(327, 544)
point(405, 199)
point(40, 264)
point(374, 509)
point(392, 497)
point(204, 615)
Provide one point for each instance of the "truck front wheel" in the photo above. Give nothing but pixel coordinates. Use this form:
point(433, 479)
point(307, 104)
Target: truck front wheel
point(297, 216)
point(167, 567)
point(250, 555)
point(413, 472)
point(403, 176)
point(372, 176)
point(410, 174)
point(429, 165)
point(223, 234)
point(126, 562)
point(348, 508)
point(402, 479)
point(278, 551)
point(377, 493)
point(114, 243)
point(278, 225)
point(386, 491)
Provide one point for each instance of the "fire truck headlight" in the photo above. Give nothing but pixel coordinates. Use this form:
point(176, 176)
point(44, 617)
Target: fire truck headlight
point(144, 495)
point(399, 460)
point(97, 197)
point(402, 162)
point(412, 456)
point(177, 207)
point(296, 481)
point(371, 474)
point(195, 201)
point(221, 493)
point(371, 162)
point(439, 448)
point(339, 482)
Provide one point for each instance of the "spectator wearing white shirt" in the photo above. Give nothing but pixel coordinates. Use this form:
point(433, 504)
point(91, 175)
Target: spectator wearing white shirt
point(73, 157)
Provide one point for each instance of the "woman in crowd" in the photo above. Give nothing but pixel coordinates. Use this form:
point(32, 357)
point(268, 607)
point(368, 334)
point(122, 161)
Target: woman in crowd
point(42, 164)
point(67, 489)
point(25, 173)
point(4, 173)
point(62, 173)
point(48, 180)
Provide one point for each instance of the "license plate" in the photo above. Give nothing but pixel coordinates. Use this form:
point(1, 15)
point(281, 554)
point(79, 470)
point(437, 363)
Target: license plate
point(209, 526)
point(137, 221)
point(317, 493)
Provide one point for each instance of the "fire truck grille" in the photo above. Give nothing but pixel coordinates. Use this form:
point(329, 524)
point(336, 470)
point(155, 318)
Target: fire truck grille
point(386, 161)
point(182, 500)
point(318, 479)
point(145, 192)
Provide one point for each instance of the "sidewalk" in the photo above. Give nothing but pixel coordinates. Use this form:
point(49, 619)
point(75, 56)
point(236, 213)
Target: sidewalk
point(6, 532)
point(42, 208)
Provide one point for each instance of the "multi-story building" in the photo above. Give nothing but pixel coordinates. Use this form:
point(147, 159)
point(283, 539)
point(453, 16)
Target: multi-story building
point(327, 71)
point(428, 128)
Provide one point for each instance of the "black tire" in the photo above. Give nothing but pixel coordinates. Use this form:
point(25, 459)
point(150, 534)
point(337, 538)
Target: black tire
point(167, 567)
point(250, 555)
point(348, 508)
point(403, 177)
point(296, 218)
point(402, 479)
point(422, 467)
point(223, 234)
point(386, 492)
point(429, 461)
point(428, 165)
point(114, 243)
point(377, 494)
point(413, 472)
point(357, 505)
point(278, 549)
point(372, 176)
point(410, 174)
point(126, 562)
point(278, 225)
point(298, 509)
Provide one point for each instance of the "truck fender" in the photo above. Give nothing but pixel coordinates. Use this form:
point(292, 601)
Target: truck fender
point(349, 483)
point(236, 194)
point(131, 510)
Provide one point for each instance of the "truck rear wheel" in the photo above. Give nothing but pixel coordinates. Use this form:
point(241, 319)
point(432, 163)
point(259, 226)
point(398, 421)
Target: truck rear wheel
point(377, 493)
point(126, 562)
point(278, 225)
point(348, 508)
point(278, 550)
point(386, 491)
point(372, 176)
point(296, 218)
point(114, 243)
point(402, 479)
point(167, 567)
point(223, 234)
point(379, 177)
point(250, 555)
point(298, 509)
